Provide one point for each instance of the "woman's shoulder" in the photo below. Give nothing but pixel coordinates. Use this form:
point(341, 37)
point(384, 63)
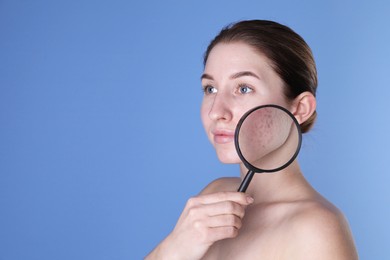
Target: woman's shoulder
point(317, 229)
point(302, 229)
point(222, 184)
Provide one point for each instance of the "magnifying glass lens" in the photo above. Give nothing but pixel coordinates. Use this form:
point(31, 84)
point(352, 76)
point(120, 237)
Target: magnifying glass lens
point(268, 138)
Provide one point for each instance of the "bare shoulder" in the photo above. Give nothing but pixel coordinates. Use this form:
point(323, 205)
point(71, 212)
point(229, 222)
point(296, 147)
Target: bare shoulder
point(222, 184)
point(318, 230)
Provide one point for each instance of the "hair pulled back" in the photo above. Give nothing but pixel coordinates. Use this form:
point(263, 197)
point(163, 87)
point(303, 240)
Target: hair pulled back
point(288, 53)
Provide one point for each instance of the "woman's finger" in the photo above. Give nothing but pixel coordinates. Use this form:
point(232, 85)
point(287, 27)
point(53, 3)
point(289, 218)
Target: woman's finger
point(224, 221)
point(219, 233)
point(223, 208)
point(238, 197)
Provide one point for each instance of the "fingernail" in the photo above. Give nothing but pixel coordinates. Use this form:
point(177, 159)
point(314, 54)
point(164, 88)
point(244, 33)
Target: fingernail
point(249, 199)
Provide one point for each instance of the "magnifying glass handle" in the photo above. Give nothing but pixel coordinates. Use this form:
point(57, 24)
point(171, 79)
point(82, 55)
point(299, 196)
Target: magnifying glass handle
point(245, 182)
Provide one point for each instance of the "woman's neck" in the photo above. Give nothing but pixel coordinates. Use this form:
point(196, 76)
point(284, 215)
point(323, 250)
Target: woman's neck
point(285, 185)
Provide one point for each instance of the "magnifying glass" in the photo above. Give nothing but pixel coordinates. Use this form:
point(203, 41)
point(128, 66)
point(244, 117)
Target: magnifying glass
point(267, 139)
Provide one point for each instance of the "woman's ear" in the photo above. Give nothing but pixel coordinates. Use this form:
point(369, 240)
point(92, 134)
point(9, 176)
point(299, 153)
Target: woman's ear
point(304, 106)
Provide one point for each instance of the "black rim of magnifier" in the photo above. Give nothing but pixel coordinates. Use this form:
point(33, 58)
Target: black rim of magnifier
point(249, 166)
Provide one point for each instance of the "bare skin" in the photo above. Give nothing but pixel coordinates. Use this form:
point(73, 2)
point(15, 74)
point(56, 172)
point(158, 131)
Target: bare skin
point(280, 216)
point(293, 223)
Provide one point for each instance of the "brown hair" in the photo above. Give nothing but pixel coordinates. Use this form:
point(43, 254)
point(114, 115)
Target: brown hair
point(289, 54)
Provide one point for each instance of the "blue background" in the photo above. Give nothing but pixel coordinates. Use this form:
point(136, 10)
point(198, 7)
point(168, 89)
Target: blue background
point(101, 142)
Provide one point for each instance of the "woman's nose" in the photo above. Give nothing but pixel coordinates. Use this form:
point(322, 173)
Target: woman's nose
point(220, 109)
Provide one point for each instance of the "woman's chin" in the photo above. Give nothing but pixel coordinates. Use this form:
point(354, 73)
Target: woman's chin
point(229, 158)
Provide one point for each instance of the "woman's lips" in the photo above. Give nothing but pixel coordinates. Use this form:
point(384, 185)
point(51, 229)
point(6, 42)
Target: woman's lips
point(223, 136)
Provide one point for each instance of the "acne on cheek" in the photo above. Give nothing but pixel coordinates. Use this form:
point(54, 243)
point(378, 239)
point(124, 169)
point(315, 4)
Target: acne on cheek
point(262, 130)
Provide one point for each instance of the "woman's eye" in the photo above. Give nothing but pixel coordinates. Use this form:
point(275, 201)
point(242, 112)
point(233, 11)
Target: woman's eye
point(244, 89)
point(209, 90)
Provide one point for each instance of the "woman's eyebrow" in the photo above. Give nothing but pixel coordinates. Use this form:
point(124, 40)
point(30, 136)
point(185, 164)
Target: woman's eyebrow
point(234, 76)
point(206, 76)
point(243, 74)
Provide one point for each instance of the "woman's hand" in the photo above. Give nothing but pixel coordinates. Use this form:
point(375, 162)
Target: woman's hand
point(204, 220)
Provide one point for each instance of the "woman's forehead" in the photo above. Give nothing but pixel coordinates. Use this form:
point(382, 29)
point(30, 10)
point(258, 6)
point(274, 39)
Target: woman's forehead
point(231, 58)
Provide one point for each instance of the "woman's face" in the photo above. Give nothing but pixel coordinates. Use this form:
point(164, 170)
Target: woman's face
point(236, 78)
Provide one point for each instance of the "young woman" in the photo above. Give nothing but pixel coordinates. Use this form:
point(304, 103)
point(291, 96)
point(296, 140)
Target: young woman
point(280, 216)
